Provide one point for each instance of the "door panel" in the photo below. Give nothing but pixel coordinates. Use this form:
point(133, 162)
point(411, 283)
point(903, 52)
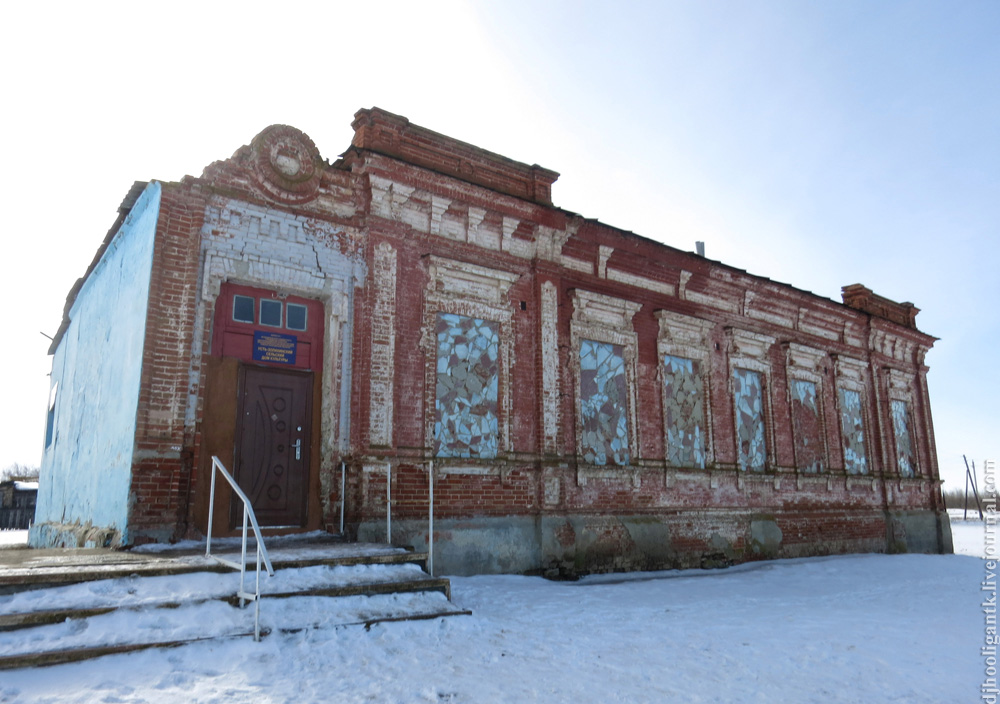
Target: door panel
point(272, 445)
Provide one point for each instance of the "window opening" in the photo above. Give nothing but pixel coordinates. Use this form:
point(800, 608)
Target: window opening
point(603, 403)
point(685, 410)
point(243, 309)
point(295, 316)
point(748, 397)
point(467, 383)
point(270, 313)
point(853, 426)
point(806, 426)
point(904, 443)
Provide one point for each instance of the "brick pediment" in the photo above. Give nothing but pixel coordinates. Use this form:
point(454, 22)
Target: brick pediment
point(393, 135)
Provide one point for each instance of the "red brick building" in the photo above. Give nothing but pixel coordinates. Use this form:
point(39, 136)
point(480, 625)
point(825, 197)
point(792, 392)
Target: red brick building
point(589, 399)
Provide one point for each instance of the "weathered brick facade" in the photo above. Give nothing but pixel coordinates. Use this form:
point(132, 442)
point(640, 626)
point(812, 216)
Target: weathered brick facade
point(588, 399)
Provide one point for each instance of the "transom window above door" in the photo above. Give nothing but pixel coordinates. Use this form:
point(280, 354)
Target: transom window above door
point(272, 313)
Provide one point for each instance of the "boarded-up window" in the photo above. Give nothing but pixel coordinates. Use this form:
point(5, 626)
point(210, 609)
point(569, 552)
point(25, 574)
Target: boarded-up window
point(748, 398)
point(904, 443)
point(852, 425)
point(684, 406)
point(603, 403)
point(806, 426)
point(465, 410)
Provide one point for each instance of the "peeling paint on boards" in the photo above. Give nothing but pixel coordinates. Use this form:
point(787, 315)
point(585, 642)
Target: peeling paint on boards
point(603, 403)
point(748, 399)
point(685, 412)
point(468, 373)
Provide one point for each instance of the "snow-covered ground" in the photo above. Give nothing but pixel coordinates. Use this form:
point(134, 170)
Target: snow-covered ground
point(861, 628)
point(13, 537)
point(968, 536)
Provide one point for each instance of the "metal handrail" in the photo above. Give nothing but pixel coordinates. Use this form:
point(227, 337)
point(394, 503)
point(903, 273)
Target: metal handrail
point(242, 565)
point(388, 507)
point(430, 518)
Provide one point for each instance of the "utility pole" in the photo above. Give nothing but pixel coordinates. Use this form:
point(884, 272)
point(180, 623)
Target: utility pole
point(970, 479)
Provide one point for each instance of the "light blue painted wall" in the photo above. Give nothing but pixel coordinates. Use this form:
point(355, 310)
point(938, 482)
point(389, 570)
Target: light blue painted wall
point(86, 470)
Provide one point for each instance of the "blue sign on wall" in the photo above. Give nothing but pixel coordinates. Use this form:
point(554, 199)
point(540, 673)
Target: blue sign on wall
point(274, 347)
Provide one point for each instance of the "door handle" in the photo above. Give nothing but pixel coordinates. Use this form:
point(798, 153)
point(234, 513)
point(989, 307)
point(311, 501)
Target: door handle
point(298, 448)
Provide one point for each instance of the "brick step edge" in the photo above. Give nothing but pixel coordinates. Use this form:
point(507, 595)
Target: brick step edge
point(30, 619)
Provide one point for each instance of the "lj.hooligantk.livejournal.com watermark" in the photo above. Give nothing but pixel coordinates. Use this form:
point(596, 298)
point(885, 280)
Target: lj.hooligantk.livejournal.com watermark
point(988, 587)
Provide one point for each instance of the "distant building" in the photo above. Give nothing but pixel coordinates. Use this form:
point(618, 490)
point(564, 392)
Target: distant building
point(590, 399)
point(17, 504)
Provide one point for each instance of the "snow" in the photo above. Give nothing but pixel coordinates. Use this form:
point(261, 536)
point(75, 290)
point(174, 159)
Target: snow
point(232, 543)
point(859, 628)
point(13, 537)
point(131, 592)
point(214, 619)
point(968, 535)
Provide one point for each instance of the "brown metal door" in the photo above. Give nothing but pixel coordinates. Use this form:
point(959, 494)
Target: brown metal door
point(272, 445)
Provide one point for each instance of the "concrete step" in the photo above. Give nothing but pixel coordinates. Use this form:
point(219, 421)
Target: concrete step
point(59, 657)
point(37, 569)
point(45, 658)
point(419, 583)
point(123, 612)
point(43, 649)
point(48, 658)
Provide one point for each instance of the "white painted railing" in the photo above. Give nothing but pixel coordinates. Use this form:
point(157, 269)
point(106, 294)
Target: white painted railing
point(430, 512)
point(343, 497)
point(430, 518)
point(388, 508)
point(248, 515)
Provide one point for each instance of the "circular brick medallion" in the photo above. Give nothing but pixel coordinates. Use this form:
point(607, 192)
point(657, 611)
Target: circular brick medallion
point(286, 164)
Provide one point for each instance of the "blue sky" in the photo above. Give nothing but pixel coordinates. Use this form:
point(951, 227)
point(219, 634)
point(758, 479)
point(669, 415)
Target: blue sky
point(815, 143)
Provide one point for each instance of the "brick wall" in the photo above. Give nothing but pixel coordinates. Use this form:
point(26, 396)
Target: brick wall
point(161, 468)
point(419, 214)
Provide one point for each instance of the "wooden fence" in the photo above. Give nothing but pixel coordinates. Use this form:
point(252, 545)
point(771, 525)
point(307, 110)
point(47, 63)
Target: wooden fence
point(16, 517)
